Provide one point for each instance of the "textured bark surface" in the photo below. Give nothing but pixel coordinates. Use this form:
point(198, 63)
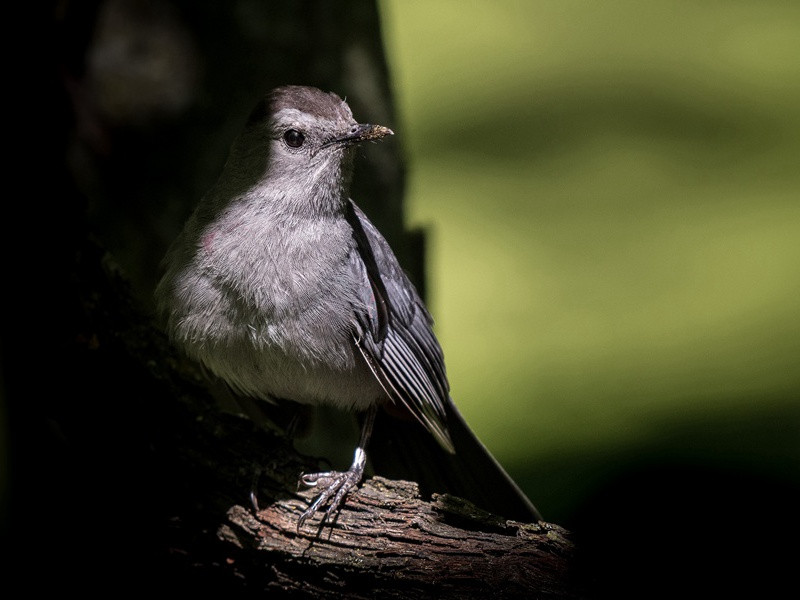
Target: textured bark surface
point(388, 542)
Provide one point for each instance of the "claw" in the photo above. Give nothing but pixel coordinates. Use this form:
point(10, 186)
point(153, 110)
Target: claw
point(318, 479)
point(337, 484)
point(334, 484)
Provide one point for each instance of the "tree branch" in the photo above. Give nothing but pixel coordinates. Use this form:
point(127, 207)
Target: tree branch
point(387, 540)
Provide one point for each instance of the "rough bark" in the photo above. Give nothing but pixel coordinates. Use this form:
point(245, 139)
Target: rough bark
point(390, 543)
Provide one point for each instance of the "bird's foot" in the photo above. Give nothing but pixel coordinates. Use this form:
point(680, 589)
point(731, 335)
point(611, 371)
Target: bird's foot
point(334, 486)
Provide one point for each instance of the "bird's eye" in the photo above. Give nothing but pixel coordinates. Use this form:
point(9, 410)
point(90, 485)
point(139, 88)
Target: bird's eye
point(293, 138)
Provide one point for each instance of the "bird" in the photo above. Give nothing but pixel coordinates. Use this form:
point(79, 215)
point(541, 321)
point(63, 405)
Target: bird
point(280, 286)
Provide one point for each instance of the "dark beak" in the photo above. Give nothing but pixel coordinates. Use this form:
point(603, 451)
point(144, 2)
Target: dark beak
point(361, 133)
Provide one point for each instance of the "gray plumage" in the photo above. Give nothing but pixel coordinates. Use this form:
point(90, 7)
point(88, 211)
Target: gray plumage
point(281, 286)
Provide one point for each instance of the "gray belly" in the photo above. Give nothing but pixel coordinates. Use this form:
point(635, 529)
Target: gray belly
point(273, 322)
point(332, 373)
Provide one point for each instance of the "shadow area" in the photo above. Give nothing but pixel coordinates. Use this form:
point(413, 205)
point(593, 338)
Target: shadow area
point(706, 508)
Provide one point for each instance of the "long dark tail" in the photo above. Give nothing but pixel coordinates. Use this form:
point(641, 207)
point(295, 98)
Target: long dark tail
point(403, 449)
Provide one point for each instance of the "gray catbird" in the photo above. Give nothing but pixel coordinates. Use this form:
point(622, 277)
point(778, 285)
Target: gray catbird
point(280, 286)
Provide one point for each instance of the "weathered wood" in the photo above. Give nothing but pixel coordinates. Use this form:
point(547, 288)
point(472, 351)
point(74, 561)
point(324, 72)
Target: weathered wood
point(388, 542)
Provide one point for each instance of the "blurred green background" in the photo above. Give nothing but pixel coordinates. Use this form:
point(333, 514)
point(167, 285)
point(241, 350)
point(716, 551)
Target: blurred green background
point(612, 197)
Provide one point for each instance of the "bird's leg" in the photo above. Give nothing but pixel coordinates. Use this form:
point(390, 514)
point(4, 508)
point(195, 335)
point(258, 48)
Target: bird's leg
point(336, 484)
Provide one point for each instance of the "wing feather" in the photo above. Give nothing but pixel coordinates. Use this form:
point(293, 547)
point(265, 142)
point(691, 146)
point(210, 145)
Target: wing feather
point(393, 331)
